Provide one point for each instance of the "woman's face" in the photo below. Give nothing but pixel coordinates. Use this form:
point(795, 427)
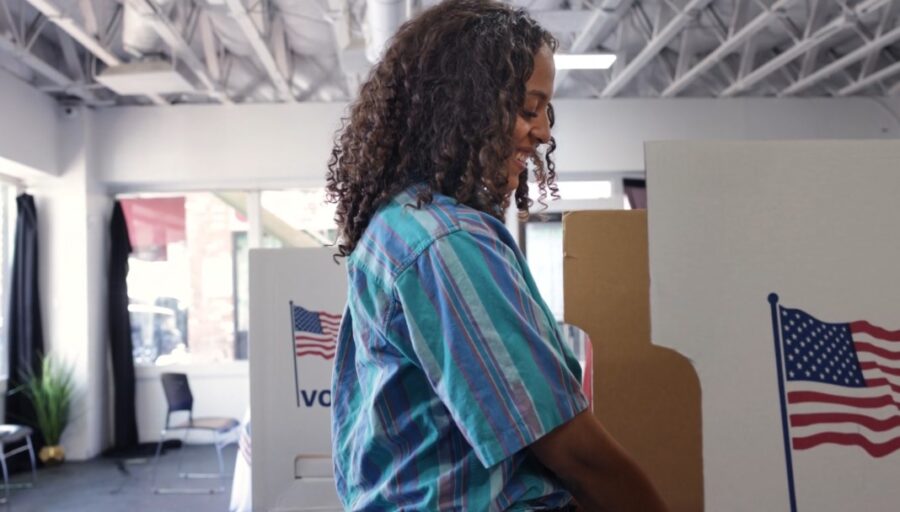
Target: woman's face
point(533, 121)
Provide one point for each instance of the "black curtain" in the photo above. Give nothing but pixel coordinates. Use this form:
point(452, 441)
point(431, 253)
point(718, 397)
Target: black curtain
point(25, 334)
point(125, 422)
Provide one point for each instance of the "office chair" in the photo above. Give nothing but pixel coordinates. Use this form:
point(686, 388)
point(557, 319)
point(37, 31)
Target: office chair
point(14, 434)
point(180, 399)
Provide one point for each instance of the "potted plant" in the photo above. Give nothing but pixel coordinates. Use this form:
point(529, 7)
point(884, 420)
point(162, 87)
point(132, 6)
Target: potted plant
point(50, 393)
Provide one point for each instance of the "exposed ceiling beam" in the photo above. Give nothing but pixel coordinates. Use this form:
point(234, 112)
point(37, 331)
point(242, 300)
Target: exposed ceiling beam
point(75, 31)
point(112, 26)
point(599, 26)
point(10, 20)
point(210, 47)
point(808, 44)
point(281, 51)
point(78, 33)
point(685, 52)
point(888, 18)
point(748, 58)
point(157, 18)
point(47, 71)
point(654, 46)
point(731, 44)
point(70, 55)
point(90, 17)
point(248, 27)
point(860, 53)
point(738, 16)
point(872, 79)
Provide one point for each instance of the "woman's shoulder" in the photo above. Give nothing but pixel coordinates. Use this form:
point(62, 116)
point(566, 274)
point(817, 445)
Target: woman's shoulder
point(401, 230)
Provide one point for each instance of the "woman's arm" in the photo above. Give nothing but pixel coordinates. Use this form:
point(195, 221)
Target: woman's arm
point(595, 469)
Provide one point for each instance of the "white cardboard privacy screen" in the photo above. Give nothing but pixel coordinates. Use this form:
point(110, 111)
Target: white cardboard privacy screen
point(817, 223)
point(296, 299)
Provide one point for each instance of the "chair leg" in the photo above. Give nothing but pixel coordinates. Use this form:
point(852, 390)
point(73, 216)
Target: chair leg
point(33, 461)
point(184, 439)
point(218, 444)
point(5, 474)
point(159, 445)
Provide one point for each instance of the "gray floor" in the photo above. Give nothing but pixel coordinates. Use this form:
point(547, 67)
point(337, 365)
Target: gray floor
point(106, 485)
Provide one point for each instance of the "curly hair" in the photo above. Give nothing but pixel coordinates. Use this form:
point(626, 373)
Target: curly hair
point(440, 109)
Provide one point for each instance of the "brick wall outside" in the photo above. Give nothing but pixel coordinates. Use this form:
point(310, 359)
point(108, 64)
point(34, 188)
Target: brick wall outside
point(209, 224)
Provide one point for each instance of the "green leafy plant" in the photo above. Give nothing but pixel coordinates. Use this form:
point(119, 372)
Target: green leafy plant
point(50, 393)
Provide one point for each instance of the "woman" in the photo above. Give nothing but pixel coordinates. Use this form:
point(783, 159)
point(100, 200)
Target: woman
point(452, 388)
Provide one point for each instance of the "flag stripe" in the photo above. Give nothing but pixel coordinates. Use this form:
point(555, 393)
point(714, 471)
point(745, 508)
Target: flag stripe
point(317, 350)
point(865, 358)
point(869, 365)
point(873, 436)
point(315, 353)
point(848, 439)
point(878, 351)
point(883, 382)
point(874, 424)
point(879, 413)
point(874, 330)
point(876, 377)
point(314, 337)
point(832, 390)
point(317, 343)
point(878, 342)
point(796, 397)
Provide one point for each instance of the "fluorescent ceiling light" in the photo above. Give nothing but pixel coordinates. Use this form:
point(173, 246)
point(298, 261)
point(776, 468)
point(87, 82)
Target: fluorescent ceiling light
point(580, 190)
point(584, 60)
point(576, 190)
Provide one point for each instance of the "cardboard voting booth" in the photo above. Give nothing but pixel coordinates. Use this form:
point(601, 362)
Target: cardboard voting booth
point(773, 267)
point(647, 396)
point(297, 297)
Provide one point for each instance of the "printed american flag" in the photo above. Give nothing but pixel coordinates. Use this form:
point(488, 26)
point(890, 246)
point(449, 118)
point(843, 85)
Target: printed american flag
point(315, 332)
point(842, 383)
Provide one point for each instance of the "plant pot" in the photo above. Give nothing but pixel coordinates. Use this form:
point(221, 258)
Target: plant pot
point(52, 455)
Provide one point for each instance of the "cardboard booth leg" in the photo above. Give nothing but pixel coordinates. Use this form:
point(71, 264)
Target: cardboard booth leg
point(648, 397)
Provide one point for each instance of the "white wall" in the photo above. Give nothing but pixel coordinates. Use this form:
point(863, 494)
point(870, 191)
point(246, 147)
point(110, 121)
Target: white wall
point(288, 145)
point(28, 137)
point(72, 212)
point(213, 147)
point(610, 135)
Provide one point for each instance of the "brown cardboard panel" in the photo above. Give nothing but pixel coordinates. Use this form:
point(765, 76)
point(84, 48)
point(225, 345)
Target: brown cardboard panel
point(648, 397)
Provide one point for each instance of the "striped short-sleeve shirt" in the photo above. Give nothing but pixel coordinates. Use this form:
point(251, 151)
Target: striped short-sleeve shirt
point(448, 365)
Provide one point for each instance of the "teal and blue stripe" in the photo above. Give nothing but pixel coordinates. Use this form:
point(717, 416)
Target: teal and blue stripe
point(448, 365)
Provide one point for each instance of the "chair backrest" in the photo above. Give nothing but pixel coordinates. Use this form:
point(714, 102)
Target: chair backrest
point(178, 392)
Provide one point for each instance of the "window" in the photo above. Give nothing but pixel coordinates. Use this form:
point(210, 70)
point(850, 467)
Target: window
point(287, 218)
point(188, 279)
point(298, 218)
point(181, 279)
point(543, 234)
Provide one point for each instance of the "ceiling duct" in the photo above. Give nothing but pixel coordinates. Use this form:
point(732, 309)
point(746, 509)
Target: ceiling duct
point(384, 17)
point(147, 77)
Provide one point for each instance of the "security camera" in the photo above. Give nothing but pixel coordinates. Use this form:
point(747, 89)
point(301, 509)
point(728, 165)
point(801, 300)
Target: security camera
point(69, 106)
